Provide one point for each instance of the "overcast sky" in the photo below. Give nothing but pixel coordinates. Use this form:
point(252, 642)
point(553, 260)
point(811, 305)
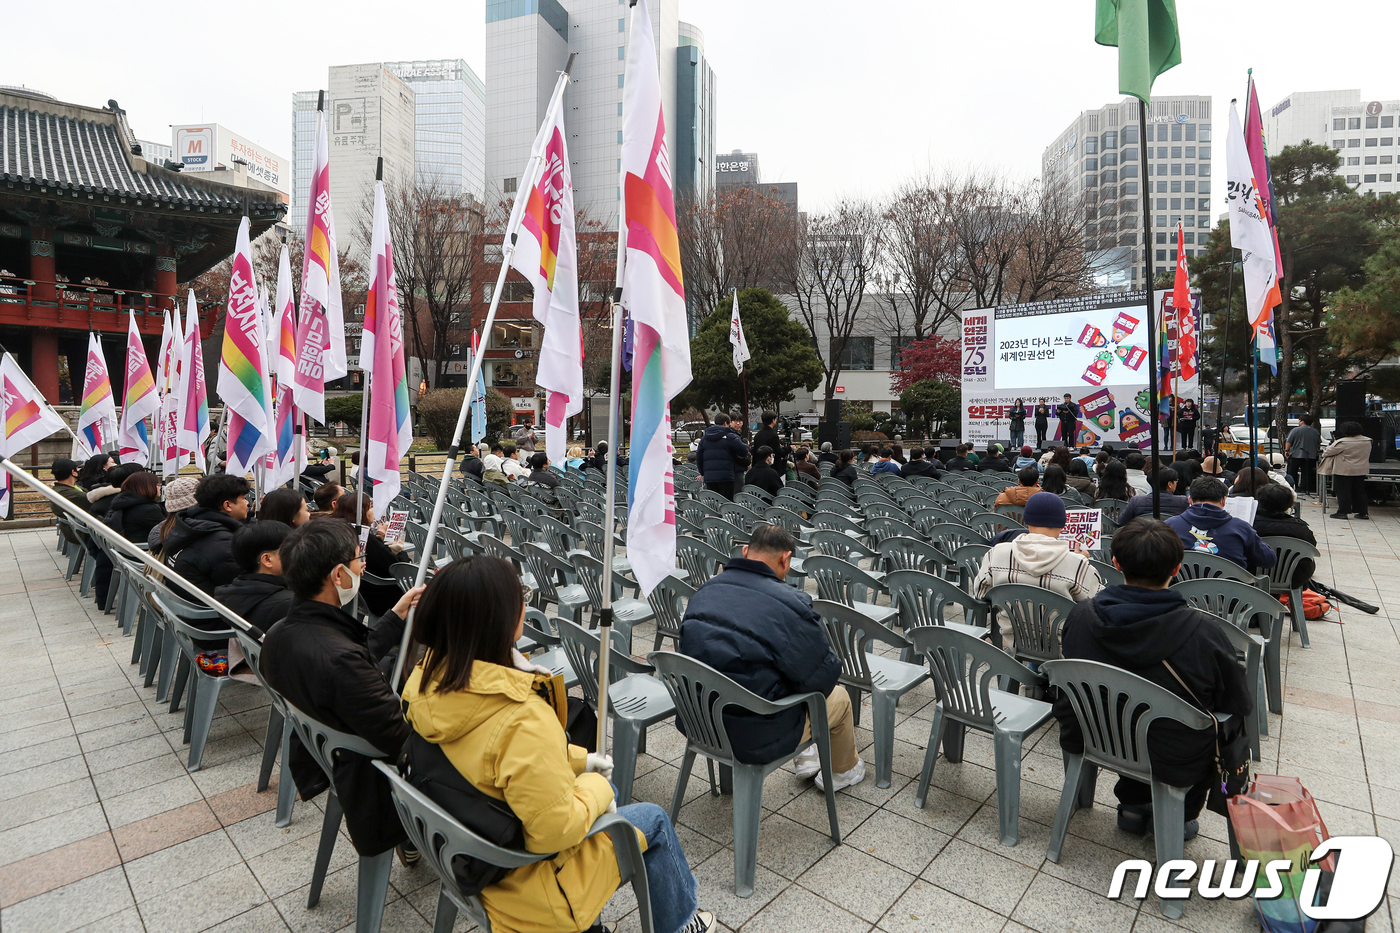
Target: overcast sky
point(843, 98)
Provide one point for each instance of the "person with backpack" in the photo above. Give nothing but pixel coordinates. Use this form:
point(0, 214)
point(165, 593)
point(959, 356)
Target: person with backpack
point(486, 723)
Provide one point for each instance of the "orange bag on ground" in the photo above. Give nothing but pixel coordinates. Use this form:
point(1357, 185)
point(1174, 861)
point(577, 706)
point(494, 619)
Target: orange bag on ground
point(1315, 605)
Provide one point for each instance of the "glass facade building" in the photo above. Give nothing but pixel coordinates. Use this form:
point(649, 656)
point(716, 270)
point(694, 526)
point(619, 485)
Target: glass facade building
point(450, 124)
point(303, 154)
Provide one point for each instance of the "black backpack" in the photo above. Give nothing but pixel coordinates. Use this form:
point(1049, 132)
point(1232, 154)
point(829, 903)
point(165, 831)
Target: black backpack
point(426, 767)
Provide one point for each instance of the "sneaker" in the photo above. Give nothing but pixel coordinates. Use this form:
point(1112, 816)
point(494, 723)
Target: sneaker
point(1364, 518)
point(809, 763)
point(1193, 829)
point(1134, 819)
point(702, 922)
point(1338, 515)
point(409, 857)
point(841, 781)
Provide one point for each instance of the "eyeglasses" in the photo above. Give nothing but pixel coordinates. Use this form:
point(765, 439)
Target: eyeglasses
point(358, 557)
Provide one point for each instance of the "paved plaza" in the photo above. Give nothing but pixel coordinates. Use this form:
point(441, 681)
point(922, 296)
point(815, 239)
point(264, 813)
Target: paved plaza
point(102, 828)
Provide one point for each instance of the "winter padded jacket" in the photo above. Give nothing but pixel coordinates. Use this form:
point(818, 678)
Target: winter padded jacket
point(764, 477)
point(886, 466)
point(1016, 495)
point(324, 663)
point(996, 464)
point(100, 500)
point(200, 548)
point(1346, 456)
point(846, 474)
point(921, 468)
point(505, 734)
point(133, 515)
point(719, 454)
point(754, 628)
point(1212, 530)
point(262, 599)
point(1136, 629)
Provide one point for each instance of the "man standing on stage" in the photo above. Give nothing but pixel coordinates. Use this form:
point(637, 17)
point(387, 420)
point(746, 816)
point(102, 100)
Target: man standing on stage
point(1068, 413)
point(1302, 448)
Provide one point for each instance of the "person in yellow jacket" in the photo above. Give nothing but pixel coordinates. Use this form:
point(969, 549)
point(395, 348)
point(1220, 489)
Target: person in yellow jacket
point(500, 722)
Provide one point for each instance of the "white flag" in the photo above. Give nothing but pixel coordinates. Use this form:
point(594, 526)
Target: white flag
point(1249, 232)
point(736, 337)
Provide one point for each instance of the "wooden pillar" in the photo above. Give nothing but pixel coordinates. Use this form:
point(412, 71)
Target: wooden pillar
point(165, 277)
point(43, 340)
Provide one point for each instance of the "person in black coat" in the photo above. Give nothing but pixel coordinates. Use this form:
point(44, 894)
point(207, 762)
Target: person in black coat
point(918, 466)
point(318, 472)
point(471, 463)
point(325, 663)
point(1042, 424)
point(259, 594)
point(1068, 413)
point(379, 556)
point(767, 436)
point(1016, 424)
point(1275, 519)
point(720, 456)
point(845, 469)
point(200, 545)
point(826, 455)
point(762, 474)
point(994, 461)
point(137, 508)
point(749, 625)
point(1142, 626)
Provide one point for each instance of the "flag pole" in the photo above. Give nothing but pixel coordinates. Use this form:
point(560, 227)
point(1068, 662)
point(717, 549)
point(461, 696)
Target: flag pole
point(1224, 358)
point(1151, 312)
point(364, 404)
point(425, 559)
point(744, 383)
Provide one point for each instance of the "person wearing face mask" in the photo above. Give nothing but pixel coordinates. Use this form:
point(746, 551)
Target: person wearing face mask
point(327, 664)
point(762, 474)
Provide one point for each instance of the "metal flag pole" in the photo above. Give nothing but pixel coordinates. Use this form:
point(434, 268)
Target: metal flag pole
point(605, 611)
point(120, 543)
point(527, 181)
point(1151, 312)
point(1224, 359)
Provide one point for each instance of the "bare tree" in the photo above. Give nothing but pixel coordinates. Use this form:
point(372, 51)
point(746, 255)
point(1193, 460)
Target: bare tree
point(1053, 262)
point(735, 238)
point(922, 281)
point(835, 260)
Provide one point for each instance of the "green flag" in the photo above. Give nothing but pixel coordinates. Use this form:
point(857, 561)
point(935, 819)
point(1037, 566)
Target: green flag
point(1146, 35)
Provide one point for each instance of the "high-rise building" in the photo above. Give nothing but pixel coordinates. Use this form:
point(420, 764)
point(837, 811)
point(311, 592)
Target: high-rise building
point(695, 113)
point(527, 44)
point(156, 152)
point(1096, 159)
point(1363, 132)
point(303, 154)
point(450, 120)
point(739, 169)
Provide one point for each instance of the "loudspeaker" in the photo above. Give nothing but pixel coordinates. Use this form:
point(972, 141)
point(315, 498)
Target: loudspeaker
point(1374, 428)
point(1116, 447)
point(833, 411)
point(1351, 400)
point(837, 433)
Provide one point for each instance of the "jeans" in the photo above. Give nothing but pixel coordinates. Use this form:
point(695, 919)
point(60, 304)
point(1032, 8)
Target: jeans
point(1018, 439)
point(669, 881)
point(1351, 494)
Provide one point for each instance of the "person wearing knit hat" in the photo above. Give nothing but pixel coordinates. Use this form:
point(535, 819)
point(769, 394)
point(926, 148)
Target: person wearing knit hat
point(1040, 557)
point(1026, 458)
point(179, 493)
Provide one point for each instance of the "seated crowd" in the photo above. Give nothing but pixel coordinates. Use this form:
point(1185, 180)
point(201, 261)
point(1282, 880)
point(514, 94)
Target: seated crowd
point(474, 711)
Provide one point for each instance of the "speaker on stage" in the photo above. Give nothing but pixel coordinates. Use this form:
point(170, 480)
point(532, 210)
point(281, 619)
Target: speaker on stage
point(1374, 428)
point(833, 411)
point(1351, 400)
point(1118, 448)
point(837, 433)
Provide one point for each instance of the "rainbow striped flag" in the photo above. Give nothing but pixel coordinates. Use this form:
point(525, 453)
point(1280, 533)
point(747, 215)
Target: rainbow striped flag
point(97, 415)
point(283, 468)
point(140, 399)
point(192, 428)
point(390, 429)
point(241, 384)
point(25, 419)
point(172, 343)
point(321, 325)
point(654, 295)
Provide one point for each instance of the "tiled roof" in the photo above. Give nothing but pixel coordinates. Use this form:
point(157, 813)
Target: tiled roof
point(90, 156)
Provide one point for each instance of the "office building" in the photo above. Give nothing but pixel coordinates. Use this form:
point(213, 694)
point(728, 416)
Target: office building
point(303, 154)
point(739, 169)
point(450, 125)
point(156, 152)
point(209, 147)
point(695, 112)
point(1363, 132)
point(1097, 158)
point(527, 44)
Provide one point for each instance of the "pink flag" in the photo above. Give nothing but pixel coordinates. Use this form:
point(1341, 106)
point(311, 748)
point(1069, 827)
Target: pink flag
point(140, 399)
point(172, 344)
point(283, 468)
point(25, 419)
point(193, 426)
point(321, 326)
point(97, 414)
point(390, 428)
point(241, 367)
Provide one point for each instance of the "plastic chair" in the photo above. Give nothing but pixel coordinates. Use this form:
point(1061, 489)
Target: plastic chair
point(540, 642)
point(204, 688)
point(1290, 551)
point(833, 521)
point(962, 668)
point(549, 569)
point(700, 559)
point(1012, 511)
point(968, 559)
point(788, 520)
point(991, 524)
point(1110, 573)
point(850, 633)
point(1198, 565)
point(1115, 710)
point(522, 529)
point(843, 582)
point(723, 535)
point(442, 840)
point(741, 517)
point(279, 735)
point(628, 612)
point(881, 528)
point(905, 553)
point(1240, 604)
point(1112, 508)
point(668, 600)
point(322, 742)
point(1249, 649)
point(949, 537)
point(922, 598)
point(636, 699)
point(74, 546)
point(701, 695)
point(1037, 617)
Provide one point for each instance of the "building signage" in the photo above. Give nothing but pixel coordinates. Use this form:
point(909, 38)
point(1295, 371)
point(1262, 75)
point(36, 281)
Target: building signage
point(734, 165)
point(1281, 106)
point(206, 147)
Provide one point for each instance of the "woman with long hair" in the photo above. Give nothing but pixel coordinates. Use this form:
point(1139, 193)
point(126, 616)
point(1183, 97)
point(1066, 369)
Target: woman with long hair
point(1061, 457)
point(1114, 483)
point(499, 721)
point(284, 505)
point(1053, 479)
point(93, 470)
point(136, 509)
point(1016, 419)
point(1077, 477)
